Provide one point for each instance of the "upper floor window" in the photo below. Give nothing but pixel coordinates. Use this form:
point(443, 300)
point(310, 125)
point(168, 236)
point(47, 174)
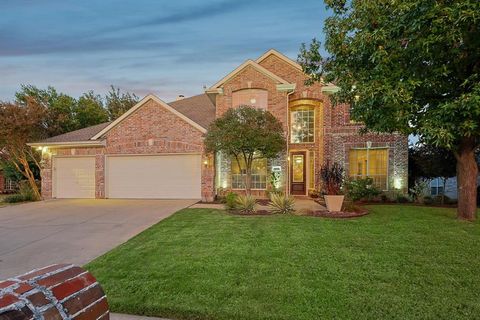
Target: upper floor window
point(302, 124)
point(257, 98)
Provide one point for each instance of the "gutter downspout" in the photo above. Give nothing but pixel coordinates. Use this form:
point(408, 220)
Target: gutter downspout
point(288, 141)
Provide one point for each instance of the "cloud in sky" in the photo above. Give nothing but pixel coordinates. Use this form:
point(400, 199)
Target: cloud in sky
point(144, 46)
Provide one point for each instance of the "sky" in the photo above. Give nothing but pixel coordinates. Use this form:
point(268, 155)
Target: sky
point(144, 46)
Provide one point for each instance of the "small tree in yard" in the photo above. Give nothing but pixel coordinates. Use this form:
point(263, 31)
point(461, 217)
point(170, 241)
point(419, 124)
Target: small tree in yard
point(246, 133)
point(411, 67)
point(22, 123)
point(432, 162)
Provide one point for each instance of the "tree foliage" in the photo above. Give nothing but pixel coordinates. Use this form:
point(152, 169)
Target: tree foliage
point(411, 67)
point(65, 113)
point(41, 113)
point(59, 108)
point(117, 103)
point(89, 110)
point(22, 123)
point(246, 133)
point(432, 161)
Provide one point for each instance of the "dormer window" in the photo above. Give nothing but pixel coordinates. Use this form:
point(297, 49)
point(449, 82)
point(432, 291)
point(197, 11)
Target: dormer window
point(257, 98)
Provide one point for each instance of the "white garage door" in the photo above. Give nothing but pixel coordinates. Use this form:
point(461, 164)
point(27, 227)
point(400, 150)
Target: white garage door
point(154, 177)
point(74, 177)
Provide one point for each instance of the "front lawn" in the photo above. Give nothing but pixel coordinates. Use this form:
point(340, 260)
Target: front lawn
point(399, 262)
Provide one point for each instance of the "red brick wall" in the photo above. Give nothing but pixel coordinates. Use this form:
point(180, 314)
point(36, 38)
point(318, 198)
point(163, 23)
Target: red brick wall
point(54, 292)
point(152, 129)
point(335, 135)
point(252, 78)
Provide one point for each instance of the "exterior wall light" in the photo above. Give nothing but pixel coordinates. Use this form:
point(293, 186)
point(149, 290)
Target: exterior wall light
point(397, 183)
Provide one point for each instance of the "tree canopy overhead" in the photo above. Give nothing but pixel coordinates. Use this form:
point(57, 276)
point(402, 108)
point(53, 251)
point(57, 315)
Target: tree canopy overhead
point(412, 67)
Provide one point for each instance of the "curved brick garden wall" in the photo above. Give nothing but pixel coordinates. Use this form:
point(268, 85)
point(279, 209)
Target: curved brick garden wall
point(57, 292)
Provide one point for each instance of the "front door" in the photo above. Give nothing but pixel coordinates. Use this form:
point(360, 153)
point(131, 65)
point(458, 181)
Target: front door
point(298, 173)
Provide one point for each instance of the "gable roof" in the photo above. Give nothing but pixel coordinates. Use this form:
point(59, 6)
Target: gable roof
point(140, 104)
point(84, 134)
point(280, 56)
point(248, 63)
point(199, 108)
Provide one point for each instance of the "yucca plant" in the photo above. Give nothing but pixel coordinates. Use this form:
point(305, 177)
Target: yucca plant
point(246, 204)
point(282, 204)
point(231, 201)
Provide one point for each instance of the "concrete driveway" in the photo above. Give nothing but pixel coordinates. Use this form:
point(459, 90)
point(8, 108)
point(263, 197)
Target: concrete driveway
point(73, 231)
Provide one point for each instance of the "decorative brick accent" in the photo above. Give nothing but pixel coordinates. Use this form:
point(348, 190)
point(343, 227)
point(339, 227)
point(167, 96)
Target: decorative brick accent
point(57, 292)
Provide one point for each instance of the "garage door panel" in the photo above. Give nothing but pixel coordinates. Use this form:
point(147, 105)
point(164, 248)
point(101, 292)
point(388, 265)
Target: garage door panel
point(74, 177)
point(156, 177)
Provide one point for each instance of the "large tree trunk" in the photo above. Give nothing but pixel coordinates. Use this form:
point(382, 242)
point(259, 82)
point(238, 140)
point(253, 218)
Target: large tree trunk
point(27, 172)
point(467, 172)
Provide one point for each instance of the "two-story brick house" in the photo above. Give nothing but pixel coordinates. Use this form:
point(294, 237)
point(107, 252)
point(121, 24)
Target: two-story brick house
point(155, 150)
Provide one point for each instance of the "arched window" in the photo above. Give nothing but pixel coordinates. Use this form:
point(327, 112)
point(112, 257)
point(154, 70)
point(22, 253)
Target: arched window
point(257, 98)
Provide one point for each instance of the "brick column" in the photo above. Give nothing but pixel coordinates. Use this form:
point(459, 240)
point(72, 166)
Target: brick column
point(57, 292)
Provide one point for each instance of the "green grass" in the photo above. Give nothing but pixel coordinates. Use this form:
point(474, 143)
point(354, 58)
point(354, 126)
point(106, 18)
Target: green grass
point(399, 262)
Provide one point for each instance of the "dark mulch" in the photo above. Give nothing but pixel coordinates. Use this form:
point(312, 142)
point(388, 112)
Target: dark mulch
point(263, 202)
point(256, 213)
point(339, 214)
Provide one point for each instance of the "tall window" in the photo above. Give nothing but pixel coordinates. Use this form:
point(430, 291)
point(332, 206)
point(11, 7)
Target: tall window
point(302, 125)
point(259, 174)
point(257, 98)
point(371, 163)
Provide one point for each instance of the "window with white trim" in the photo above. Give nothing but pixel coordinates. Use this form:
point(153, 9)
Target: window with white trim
point(371, 163)
point(302, 125)
point(259, 174)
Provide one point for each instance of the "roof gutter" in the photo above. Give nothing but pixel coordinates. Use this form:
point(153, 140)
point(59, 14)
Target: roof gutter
point(288, 87)
point(330, 89)
point(78, 144)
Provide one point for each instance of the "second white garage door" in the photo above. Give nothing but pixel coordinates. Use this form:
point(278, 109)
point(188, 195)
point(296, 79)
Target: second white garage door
point(154, 177)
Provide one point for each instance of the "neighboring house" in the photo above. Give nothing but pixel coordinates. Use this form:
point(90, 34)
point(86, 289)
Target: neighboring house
point(6, 185)
point(155, 150)
point(436, 187)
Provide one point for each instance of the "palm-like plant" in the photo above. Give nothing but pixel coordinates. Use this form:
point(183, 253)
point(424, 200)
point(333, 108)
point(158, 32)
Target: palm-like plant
point(282, 204)
point(246, 204)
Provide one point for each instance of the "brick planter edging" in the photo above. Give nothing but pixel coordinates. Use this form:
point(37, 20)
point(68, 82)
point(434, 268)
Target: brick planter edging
point(56, 292)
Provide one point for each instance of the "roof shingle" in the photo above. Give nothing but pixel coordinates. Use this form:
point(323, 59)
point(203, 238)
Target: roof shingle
point(198, 108)
point(78, 135)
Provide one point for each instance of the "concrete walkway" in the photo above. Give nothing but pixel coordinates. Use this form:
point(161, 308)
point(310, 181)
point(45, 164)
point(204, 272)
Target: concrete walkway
point(38, 234)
